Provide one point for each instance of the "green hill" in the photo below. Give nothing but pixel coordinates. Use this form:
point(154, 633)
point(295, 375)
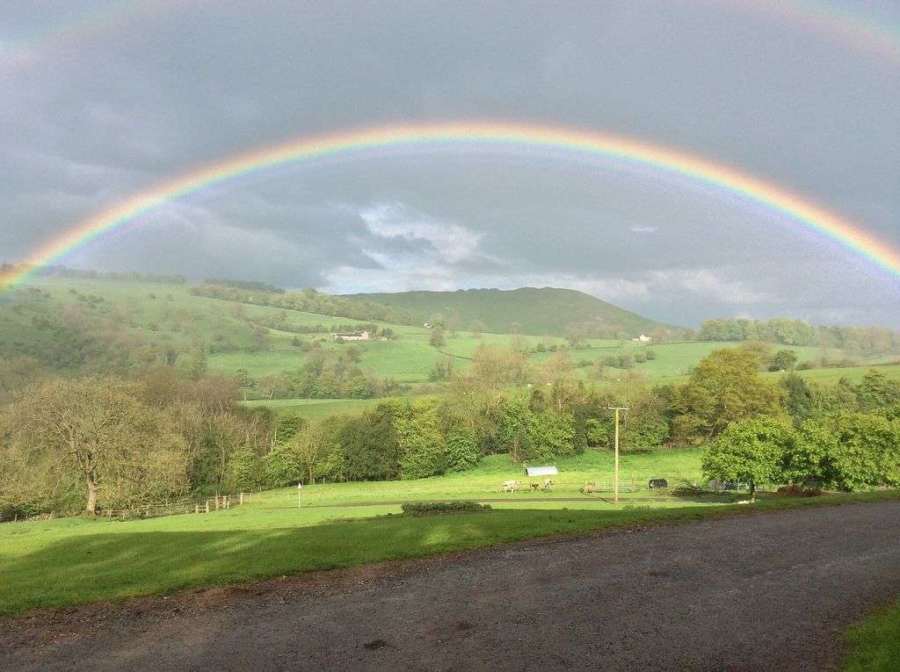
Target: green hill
point(529, 310)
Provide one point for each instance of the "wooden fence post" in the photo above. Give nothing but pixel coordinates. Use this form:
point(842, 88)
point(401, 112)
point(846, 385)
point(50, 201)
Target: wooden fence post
point(242, 499)
point(207, 506)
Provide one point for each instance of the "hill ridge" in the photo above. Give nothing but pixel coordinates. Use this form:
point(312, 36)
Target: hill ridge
point(535, 311)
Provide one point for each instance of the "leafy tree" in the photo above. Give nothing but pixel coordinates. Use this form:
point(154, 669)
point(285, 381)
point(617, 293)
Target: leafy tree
point(811, 456)
point(437, 339)
point(748, 451)
point(369, 445)
point(724, 388)
point(494, 367)
point(512, 427)
point(94, 433)
point(784, 360)
point(246, 470)
point(422, 445)
point(867, 451)
point(462, 449)
point(877, 392)
point(798, 398)
point(311, 446)
point(550, 434)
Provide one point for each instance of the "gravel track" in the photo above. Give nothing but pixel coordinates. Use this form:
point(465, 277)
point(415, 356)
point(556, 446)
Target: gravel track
point(769, 591)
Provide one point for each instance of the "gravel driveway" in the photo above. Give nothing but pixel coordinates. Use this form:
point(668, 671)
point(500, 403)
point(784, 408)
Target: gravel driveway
point(762, 592)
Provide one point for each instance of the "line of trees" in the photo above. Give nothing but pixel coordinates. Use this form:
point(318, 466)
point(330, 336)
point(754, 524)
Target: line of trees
point(864, 340)
point(104, 442)
point(308, 300)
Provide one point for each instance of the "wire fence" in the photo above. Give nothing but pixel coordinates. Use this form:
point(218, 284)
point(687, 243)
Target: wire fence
point(141, 511)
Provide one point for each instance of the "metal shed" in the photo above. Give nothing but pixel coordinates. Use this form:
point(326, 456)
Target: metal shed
point(541, 471)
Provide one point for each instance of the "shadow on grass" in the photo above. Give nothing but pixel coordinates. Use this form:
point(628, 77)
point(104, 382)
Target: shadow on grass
point(116, 563)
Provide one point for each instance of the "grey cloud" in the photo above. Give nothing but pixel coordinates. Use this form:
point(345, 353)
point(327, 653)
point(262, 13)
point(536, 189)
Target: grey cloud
point(171, 86)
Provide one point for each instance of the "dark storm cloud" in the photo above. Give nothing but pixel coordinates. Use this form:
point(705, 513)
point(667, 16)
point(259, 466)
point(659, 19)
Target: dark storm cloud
point(171, 86)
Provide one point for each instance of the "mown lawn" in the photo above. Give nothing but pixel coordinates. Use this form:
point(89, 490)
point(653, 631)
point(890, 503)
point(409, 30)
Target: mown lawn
point(75, 560)
point(875, 643)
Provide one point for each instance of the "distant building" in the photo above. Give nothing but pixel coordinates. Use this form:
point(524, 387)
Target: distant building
point(354, 336)
point(643, 338)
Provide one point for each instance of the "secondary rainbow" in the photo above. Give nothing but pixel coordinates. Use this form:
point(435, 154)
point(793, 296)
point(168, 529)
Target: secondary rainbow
point(845, 23)
point(490, 135)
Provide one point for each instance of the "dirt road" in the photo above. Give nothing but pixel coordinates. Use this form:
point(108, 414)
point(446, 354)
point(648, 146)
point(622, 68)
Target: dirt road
point(763, 592)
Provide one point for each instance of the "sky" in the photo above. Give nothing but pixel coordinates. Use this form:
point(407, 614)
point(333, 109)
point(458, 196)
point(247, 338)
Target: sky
point(100, 100)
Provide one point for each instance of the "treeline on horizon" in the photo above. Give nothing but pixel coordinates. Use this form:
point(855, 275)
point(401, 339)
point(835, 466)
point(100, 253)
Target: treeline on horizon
point(97, 443)
point(862, 340)
point(308, 301)
point(86, 274)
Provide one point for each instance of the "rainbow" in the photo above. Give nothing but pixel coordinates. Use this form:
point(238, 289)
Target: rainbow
point(848, 24)
point(482, 134)
point(77, 29)
point(852, 26)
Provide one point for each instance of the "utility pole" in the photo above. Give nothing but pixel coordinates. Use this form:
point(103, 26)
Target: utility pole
point(616, 474)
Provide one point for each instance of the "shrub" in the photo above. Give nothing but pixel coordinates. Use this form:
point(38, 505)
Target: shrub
point(795, 490)
point(686, 490)
point(438, 508)
point(463, 451)
point(748, 451)
point(422, 445)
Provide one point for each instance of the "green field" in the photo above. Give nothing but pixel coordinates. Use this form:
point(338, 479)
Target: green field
point(875, 643)
point(170, 315)
point(315, 409)
point(75, 560)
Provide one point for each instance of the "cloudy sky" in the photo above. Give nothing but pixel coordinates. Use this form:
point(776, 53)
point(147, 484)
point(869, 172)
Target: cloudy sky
point(99, 100)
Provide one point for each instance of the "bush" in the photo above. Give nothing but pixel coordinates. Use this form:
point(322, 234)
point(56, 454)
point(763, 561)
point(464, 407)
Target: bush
point(423, 450)
point(463, 451)
point(687, 490)
point(795, 490)
point(438, 508)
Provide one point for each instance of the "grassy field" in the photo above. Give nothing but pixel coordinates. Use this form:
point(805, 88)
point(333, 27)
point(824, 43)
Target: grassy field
point(484, 482)
point(853, 374)
point(316, 409)
point(169, 314)
point(875, 643)
point(74, 561)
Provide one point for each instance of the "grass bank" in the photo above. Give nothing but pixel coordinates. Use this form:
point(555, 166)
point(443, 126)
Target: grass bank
point(75, 561)
point(875, 643)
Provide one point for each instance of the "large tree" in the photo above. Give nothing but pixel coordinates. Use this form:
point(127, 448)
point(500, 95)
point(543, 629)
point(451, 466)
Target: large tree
point(725, 387)
point(95, 433)
point(748, 452)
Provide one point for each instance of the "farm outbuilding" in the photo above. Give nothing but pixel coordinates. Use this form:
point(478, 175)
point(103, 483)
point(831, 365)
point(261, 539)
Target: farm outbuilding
point(541, 471)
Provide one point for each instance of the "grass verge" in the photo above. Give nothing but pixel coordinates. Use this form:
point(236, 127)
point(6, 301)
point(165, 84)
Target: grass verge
point(69, 562)
point(875, 643)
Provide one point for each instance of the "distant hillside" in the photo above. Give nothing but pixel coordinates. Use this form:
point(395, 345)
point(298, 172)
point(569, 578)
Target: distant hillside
point(544, 311)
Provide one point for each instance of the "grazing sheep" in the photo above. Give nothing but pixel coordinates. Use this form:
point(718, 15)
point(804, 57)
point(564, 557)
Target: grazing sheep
point(588, 488)
point(534, 485)
point(548, 485)
point(511, 486)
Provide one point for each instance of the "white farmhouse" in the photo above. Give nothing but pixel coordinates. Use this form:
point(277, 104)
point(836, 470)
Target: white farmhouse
point(354, 336)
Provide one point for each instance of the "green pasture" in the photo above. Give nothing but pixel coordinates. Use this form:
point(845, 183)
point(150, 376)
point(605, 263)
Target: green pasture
point(170, 314)
point(486, 480)
point(73, 561)
point(853, 374)
point(316, 409)
point(875, 643)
